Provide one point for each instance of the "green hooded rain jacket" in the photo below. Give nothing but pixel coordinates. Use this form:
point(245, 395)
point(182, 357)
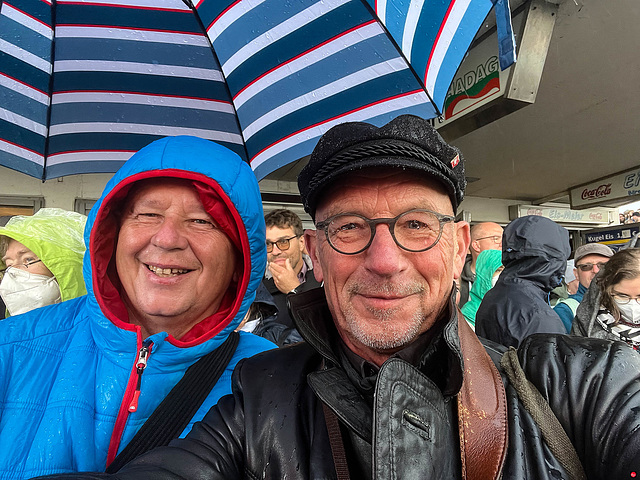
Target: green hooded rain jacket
point(56, 237)
point(487, 263)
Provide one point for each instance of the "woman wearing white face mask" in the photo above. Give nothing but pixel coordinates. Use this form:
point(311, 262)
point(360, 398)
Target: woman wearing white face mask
point(618, 317)
point(41, 259)
point(488, 268)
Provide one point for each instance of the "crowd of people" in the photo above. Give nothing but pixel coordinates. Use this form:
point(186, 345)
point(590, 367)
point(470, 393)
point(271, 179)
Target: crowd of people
point(629, 216)
point(214, 341)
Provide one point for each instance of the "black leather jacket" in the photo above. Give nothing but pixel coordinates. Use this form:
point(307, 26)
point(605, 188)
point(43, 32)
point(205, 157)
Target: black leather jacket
point(273, 426)
point(467, 277)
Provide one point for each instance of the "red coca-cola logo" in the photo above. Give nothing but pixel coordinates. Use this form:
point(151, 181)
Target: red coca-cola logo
point(599, 192)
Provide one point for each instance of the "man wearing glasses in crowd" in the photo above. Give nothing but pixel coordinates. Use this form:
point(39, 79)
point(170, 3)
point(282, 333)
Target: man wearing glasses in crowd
point(289, 268)
point(588, 260)
point(484, 236)
point(391, 382)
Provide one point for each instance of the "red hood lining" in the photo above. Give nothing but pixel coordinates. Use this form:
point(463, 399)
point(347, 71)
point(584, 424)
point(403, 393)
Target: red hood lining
point(103, 242)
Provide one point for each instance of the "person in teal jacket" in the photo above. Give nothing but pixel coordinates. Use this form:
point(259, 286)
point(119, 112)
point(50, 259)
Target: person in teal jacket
point(44, 254)
point(487, 264)
point(175, 252)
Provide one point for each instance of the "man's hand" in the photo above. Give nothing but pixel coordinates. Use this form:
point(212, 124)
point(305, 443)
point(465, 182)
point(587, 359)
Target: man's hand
point(284, 276)
point(572, 286)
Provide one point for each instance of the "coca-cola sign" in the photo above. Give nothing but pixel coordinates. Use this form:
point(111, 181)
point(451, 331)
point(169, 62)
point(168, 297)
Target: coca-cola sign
point(618, 189)
point(599, 192)
point(591, 216)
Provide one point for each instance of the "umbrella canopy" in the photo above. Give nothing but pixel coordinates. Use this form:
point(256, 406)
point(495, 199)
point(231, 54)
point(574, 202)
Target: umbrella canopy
point(85, 83)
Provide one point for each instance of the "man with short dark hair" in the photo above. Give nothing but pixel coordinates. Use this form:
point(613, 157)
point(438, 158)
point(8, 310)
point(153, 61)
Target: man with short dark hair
point(289, 268)
point(392, 383)
point(588, 260)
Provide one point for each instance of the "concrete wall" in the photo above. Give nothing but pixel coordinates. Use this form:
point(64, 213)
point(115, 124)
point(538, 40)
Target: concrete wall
point(60, 193)
point(487, 209)
point(63, 192)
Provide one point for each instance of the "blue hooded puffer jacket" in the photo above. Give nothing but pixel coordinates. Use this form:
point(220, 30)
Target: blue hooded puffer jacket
point(67, 371)
point(534, 254)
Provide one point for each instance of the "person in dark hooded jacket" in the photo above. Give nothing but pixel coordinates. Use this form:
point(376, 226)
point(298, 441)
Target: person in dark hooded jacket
point(262, 320)
point(534, 254)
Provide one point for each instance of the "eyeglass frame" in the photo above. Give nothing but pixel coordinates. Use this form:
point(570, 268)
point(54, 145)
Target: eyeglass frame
point(627, 298)
point(590, 265)
point(25, 265)
point(287, 240)
point(499, 237)
point(389, 222)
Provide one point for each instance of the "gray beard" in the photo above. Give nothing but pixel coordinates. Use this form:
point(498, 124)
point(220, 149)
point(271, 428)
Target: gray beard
point(389, 335)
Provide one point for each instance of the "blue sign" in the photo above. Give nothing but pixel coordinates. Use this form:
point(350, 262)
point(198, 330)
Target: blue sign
point(614, 237)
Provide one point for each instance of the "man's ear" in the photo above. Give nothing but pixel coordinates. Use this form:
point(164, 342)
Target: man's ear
point(302, 244)
point(475, 246)
point(462, 240)
point(311, 240)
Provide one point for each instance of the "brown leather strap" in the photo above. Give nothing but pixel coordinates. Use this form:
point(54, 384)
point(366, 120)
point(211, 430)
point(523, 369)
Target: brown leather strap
point(482, 410)
point(335, 440)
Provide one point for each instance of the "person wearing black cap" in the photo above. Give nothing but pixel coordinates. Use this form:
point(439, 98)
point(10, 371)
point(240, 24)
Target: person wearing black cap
point(391, 381)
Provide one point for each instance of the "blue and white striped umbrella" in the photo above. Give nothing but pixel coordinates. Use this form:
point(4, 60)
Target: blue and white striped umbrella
point(85, 83)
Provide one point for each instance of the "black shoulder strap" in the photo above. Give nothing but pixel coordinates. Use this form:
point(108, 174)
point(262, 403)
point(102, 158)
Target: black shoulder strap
point(336, 443)
point(552, 431)
point(172, 416)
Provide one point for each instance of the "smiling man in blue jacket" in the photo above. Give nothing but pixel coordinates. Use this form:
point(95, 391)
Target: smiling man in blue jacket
point(175, 252)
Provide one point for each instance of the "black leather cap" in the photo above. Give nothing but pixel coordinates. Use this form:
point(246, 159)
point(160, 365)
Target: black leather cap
point(407, 142)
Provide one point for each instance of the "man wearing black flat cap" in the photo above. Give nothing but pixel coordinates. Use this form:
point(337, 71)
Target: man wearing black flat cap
point(391, 382)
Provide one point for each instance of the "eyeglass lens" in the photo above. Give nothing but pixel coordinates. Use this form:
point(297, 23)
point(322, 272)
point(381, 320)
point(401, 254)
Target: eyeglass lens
point(23, 265)
point(416, 230)
point(493, 238)
point(282, 244)
point(624, 300)
point(587, 267)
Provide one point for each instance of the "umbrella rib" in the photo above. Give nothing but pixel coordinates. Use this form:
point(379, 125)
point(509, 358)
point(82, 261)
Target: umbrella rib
point(189, 4)
point(401, 53)
point(53, 58)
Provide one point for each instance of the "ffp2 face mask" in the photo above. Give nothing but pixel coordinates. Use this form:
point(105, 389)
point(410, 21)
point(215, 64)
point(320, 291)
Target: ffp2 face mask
point(22, 291)
point(630, 312)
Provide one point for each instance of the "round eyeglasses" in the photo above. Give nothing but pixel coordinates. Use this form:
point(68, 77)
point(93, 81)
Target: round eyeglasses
point(283, 244)
point(415, 231)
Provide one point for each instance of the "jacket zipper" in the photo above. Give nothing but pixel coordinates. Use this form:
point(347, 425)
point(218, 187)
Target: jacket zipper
point(141, 364)
point(130, 400)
